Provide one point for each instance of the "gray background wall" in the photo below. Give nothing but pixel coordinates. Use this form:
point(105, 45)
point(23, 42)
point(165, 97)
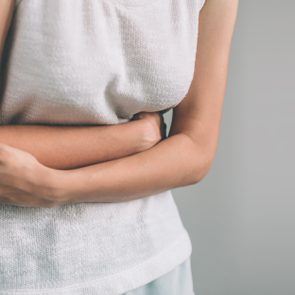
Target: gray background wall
point(241, 216)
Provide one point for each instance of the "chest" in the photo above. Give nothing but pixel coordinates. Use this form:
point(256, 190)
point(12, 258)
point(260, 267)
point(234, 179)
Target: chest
point(105, 53)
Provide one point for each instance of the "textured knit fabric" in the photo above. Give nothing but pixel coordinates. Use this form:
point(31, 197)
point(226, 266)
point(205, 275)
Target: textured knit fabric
point(178, 281)
point(92, 62)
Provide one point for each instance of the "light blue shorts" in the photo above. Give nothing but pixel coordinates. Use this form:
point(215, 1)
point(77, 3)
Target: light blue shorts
point(176, 282)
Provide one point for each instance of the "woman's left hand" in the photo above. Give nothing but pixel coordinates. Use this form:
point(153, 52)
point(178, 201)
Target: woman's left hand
point(24, 180)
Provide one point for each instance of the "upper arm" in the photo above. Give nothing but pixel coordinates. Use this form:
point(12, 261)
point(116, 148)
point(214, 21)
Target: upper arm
point(198, 114)
point(6, 10)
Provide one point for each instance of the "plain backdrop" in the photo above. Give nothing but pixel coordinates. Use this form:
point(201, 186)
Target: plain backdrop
point(241, 215)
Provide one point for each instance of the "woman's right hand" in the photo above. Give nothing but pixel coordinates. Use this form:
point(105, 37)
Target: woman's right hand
point(155, 127)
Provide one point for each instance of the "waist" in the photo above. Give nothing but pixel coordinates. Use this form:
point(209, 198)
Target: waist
point(86, 239)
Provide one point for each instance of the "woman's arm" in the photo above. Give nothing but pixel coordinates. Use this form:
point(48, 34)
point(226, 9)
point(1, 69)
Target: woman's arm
point(24, 181)
point(185, 156)
point(6, 10)
point(69, 147)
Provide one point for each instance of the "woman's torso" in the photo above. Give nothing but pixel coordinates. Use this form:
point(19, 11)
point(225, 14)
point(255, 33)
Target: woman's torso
point(94, 62)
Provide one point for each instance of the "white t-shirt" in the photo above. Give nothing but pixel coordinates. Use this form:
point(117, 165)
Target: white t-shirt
point(94, 62)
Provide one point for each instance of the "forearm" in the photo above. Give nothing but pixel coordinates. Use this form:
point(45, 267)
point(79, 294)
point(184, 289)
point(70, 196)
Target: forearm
point(173, 162)
point(66, 147)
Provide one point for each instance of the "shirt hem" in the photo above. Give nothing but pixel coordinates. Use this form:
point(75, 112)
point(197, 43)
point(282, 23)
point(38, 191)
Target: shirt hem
point(127, 280)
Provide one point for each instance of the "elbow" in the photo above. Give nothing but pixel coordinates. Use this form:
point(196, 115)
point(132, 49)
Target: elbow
point(202, 166)
point(199, 161)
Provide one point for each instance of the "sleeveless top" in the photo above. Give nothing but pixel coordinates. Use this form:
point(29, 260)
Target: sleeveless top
point(94, 62)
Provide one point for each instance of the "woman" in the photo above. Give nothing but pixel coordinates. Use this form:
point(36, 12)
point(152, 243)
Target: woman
point(86, 170)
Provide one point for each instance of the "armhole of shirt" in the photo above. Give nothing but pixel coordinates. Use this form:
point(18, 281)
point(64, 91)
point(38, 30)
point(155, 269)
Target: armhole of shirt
point(17, 2)
point(201, 4)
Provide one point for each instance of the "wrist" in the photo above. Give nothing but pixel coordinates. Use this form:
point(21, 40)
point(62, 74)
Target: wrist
point(144, 136)
point(152, 131)
point(52, 184)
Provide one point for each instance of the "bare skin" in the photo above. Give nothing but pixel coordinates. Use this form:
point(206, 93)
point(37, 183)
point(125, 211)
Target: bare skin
point(18, 167)
point(68, 147)
point(6, 7)
point(184, 158)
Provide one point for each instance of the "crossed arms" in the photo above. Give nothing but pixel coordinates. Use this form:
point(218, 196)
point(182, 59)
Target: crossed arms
point(183, 158)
